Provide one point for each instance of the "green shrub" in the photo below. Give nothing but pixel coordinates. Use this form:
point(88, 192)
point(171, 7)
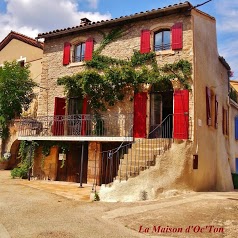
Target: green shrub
point(20, 172)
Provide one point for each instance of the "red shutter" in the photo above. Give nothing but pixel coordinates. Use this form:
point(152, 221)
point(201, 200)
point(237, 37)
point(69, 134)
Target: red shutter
point(181, 114)
point(208, 106)
point(145, 41)
point(89, 49)
point(59, 114)
point(216, 112)
point(66, 57)
point(177, 36)
point(84, 121)
point(140, 100)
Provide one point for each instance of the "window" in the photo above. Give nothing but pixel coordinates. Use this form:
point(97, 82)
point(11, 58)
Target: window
point(225, 122)
point(79, 52)
point(162, 40)
point(211, 108)
point(21, 63)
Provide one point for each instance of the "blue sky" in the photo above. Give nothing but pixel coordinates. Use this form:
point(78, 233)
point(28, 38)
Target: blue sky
point(31, 17)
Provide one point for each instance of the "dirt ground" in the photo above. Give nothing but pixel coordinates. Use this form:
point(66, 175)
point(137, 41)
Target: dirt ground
point(38, 209)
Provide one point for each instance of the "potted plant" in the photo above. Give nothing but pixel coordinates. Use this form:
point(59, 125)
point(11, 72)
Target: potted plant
point(4, 161)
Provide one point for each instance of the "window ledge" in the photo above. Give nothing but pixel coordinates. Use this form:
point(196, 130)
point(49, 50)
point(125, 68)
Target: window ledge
point(76, 64)
point(165, 52)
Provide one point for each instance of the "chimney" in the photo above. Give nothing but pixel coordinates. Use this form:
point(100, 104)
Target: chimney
point(85, 21)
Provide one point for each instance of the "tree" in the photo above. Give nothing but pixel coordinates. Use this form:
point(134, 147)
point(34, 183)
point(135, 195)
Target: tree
point(16, 92)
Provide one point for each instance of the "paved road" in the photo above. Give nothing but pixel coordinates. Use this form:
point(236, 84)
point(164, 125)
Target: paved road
point(30, 212)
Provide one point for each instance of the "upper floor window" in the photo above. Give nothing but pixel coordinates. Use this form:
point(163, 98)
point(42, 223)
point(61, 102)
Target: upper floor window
point(79, 52)
point(162, 40)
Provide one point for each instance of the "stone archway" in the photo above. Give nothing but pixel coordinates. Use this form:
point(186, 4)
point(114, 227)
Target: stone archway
point(14, 161)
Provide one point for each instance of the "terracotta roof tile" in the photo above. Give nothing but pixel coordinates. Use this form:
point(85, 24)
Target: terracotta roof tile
point(111, 21)
point(21, 37)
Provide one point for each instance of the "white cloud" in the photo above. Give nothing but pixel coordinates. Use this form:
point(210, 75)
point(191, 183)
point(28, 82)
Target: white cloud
point(228, 12)
point(31, 17)
point(93, 3)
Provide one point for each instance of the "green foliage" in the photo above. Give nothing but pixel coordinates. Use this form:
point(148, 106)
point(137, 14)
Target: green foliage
point(106, 80)
point(20, 172)
point(26, 153)
point(16, 92)
point(108, 38)
point(96, 197)
point(233, 94)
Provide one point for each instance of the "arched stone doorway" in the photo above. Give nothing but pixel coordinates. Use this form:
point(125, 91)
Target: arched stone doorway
point(14, 161)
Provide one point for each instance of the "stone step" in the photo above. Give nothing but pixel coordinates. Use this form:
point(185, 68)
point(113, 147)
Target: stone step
point(136, 165)
point(150, 145)
point(136, 157)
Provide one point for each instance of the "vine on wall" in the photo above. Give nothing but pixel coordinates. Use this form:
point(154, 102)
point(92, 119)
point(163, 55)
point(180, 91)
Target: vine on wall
point(27, 153)
point(106, 80)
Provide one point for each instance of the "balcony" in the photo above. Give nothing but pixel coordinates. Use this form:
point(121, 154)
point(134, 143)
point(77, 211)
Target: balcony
point(86, 127)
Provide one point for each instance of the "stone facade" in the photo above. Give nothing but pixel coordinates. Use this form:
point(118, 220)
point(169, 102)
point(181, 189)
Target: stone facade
point(122, 48)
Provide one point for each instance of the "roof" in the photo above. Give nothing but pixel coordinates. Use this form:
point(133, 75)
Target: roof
point(234, 84)
point(21, 37)
point(181, 7)
point(223, 61)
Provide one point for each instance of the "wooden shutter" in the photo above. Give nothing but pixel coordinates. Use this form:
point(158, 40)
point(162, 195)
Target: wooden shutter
point(145, 41)
point(236, 127)
point(66, 56)
point(177, 36)
point(88, 49)
point(216, 112)
point(208, 106)
point(181, 114)
point(140, 101)
point(84, 122)
point(59, 113)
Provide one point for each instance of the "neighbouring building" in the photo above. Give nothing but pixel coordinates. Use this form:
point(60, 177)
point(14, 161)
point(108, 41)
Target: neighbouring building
point(132, 134)
point(25, 50)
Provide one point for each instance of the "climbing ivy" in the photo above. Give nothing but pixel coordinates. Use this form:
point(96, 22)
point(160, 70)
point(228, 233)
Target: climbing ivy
point(106, 80)
point(27, 153)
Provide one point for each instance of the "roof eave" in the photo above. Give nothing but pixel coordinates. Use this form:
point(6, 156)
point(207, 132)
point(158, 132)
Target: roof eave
point(147, 14)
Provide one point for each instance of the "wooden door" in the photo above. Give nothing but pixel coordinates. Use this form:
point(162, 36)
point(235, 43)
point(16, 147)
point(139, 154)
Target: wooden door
point(59, 113)
point(181, 114)
point(140, 100)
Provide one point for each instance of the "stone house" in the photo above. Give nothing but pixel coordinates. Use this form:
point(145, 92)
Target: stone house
point(25, 50)
point(146, 123)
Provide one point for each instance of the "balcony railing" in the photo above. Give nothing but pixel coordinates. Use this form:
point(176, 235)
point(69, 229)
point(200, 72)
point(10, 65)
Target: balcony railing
point(110, 125)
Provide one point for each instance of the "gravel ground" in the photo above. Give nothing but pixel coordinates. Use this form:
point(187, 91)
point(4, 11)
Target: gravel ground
point(29, 212)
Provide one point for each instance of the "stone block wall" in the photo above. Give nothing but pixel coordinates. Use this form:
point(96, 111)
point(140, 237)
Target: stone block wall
point(121, 48)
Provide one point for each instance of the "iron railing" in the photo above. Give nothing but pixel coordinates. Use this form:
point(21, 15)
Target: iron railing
point(129, 159)
point(110, 125)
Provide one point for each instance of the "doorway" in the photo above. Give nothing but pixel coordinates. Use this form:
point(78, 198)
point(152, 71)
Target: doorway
point(71, 169)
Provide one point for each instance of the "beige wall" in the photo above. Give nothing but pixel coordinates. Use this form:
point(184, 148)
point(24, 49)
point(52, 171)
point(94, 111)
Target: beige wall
point(209, 143)
point(233, 154)
point(16, 50)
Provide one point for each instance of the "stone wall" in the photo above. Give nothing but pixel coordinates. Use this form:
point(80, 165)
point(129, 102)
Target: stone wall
point(121, 48)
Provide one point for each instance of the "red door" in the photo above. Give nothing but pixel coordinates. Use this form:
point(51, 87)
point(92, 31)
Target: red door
point(84, 122)
point(140, 100)
point(59, 114)
point(181, 107)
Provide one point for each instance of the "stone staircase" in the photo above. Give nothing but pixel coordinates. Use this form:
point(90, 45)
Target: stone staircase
point(141, 156)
